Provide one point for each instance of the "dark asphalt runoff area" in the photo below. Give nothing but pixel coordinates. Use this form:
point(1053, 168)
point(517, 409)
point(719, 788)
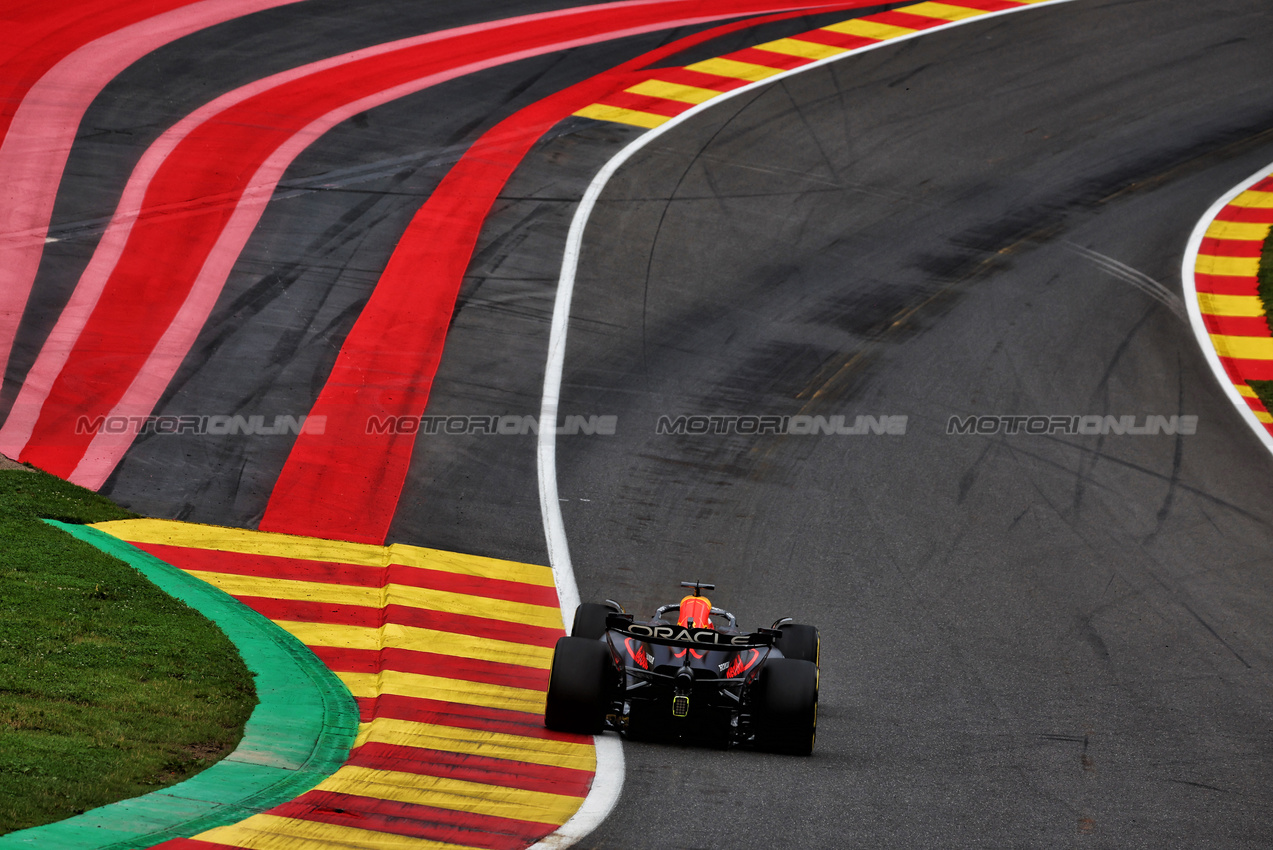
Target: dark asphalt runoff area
point(1028, 640)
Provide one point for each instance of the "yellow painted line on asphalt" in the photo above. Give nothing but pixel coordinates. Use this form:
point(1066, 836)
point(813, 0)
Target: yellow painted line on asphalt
point(1243, 347)
point(394, 636)
point(475, 606)
point(803, 49)
point(500, 745)
point(286, 588)
point(1245, 391)
point(942, 11)
point(601, 112)
point(1253, 199)
point(870, 29)
point(377, 597)
point(472, 565)
point(243, 541)
point(673, 91)
point(398, 683)
point(1244, 231)
point(1231, 266)
point(454, 794)
point(271, 832)
point(732, 68)
point(1230, 305)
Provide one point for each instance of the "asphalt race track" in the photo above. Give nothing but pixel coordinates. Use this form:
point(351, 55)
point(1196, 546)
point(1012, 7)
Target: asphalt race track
point(1029, 640)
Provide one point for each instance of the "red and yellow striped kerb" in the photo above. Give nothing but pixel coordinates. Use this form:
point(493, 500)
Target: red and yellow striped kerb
point(667, 92)
point(447, 656)
point(1226, 278)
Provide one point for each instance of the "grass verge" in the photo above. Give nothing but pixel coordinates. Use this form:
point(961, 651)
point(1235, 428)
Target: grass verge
point(109, 688)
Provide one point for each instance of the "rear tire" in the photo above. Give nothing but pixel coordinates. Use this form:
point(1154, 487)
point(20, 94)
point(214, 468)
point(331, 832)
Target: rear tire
point(579, 687)
point(590, 620)
point(785, 708)
point(799, 642)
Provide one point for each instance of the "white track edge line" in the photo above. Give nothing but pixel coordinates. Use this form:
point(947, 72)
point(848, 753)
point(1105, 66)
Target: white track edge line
point(1190, 286)
point(608, 782)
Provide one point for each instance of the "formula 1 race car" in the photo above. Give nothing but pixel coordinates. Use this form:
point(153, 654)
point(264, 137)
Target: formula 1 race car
point(680, 676)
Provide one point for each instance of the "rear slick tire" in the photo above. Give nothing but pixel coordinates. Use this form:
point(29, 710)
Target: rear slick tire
point(785, 713)
point(579, 686)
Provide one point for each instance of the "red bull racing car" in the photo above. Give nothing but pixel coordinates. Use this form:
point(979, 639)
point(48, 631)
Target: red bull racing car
point(687, 674)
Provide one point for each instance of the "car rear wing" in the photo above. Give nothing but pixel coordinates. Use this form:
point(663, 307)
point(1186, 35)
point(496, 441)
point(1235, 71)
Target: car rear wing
point(664, 634)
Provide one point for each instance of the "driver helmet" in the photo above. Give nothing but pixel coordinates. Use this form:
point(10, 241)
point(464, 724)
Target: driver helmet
point(696, 612)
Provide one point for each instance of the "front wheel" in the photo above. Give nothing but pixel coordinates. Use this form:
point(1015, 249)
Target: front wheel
point(785, 706)
point(579, 686)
